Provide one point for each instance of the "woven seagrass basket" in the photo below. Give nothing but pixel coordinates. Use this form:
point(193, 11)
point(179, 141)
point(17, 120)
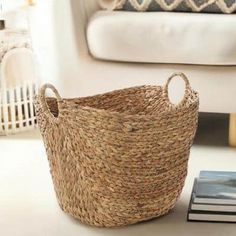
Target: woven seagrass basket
point(120, 157)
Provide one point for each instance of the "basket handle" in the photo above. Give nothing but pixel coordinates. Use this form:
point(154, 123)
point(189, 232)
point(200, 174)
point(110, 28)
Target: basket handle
point(42, 96)
point(187, 87)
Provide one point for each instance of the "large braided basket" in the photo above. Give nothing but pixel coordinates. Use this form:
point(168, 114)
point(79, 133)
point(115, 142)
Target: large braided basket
point(120, 157)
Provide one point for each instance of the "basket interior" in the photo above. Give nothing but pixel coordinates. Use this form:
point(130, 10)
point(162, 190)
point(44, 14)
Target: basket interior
point(142, 100)
point(138, 100)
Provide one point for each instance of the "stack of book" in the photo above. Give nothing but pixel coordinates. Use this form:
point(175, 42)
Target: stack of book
point(213, 197)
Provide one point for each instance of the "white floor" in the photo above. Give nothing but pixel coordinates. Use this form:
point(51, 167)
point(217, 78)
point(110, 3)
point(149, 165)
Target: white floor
point(28, 205)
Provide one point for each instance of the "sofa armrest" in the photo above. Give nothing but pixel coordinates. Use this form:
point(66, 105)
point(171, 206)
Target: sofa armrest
point(70, 22)
point(81, 11)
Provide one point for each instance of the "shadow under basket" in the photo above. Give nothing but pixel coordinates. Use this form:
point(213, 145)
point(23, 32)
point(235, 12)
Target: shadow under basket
point(121, 157)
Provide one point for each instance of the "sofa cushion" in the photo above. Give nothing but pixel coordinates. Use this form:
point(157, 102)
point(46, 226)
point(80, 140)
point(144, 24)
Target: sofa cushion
point(213, 6)
point(163, 37)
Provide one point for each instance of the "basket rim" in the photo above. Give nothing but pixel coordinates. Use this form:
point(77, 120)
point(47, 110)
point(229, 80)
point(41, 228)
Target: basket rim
point(172, 109)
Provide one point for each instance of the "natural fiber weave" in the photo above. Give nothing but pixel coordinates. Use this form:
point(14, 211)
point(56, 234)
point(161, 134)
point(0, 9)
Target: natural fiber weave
point(121, 157)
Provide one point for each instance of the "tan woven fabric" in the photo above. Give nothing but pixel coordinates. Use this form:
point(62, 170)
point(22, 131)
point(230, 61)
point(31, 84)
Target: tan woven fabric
point(213, 6)
point(120, 157)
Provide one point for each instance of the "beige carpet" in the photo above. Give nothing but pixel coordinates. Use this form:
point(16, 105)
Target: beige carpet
point(28, 205)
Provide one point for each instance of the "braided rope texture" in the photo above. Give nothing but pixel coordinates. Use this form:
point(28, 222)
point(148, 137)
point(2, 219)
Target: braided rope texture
point(207, 6)
point(121, 157)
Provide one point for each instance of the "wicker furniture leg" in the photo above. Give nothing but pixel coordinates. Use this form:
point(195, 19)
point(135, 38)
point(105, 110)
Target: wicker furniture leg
point(232, 130)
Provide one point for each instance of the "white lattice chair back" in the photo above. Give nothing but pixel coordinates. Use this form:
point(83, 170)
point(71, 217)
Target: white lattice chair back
point(18, 86)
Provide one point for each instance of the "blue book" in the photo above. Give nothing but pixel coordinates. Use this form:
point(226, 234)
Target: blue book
point(216, 187)
point(210, 212)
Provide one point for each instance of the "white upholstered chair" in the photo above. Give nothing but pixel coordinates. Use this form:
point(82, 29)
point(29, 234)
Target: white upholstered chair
point(98, 51)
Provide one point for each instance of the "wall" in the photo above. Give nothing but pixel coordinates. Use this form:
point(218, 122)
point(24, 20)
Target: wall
point(9, 5)
point(41, 23)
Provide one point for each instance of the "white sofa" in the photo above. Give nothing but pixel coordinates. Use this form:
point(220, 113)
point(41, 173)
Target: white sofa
point(98, 51)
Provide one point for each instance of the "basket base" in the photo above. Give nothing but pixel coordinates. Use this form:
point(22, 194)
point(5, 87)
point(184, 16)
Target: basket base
point(109, 221)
